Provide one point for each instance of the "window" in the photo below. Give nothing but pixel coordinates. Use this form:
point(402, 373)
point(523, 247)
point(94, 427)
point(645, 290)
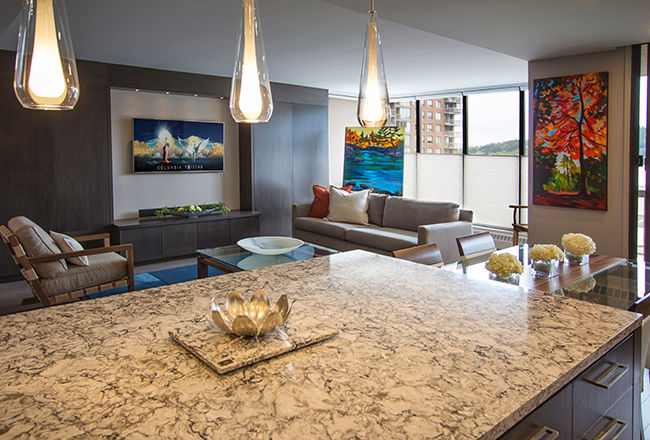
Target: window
point(429, 150)
point(404, 113)
point(407, 141)
point(493, 123)
point(449, 135)
point(438, 140)
point(429, 127)
point(430, 102)
point(438, 105)
point(438, 128)
point(429, 115)
point(438, 116)
point(429, 139)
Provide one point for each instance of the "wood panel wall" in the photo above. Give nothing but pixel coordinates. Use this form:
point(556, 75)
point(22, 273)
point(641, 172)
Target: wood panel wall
point(56, 166)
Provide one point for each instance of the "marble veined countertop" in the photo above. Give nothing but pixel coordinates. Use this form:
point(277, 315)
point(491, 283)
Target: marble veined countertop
point(422, 353)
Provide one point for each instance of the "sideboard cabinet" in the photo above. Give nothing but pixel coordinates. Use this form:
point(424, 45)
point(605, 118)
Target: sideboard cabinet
point(168, 237)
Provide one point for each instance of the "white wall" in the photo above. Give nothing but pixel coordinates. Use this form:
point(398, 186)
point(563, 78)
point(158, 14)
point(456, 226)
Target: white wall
point(136, 191)
point(343, 113)
point(609, 229)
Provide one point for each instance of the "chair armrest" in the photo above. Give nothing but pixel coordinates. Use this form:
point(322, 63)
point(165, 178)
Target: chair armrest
point(466, 215)
point(128, 248)
point(106, 237)
point(300, 210)
point(444, 235)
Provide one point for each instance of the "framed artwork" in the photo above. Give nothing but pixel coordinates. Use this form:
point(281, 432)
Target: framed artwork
point(165, 146)
point(374, 158)
point(570, 141)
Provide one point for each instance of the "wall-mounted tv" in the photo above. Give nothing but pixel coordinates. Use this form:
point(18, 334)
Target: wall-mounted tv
point(165, 146)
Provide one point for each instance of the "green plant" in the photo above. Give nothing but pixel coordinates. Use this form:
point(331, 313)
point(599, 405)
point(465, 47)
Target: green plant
point(218, 207)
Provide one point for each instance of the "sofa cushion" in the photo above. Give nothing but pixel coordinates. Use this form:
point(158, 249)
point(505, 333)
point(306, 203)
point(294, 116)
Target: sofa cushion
point(376, 204)
point(102, 268)
point(37, 243)
point(69, 244)
point(388, 239)
point(408, 214)
point(320, 226)
point(348, 207)
point(321, 204)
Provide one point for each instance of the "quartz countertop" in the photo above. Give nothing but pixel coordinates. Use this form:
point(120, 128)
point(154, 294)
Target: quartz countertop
point(422, 353)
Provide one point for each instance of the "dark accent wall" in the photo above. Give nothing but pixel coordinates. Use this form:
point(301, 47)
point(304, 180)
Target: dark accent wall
point(56, 166)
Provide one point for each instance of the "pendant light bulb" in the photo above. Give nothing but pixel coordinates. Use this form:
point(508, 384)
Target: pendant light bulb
point(250, 93)
point(373, 109)
point(46, 73)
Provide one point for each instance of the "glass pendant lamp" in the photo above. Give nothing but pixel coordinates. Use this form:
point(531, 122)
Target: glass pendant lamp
point(250, 92)
point(373, 109)
point(46, 73)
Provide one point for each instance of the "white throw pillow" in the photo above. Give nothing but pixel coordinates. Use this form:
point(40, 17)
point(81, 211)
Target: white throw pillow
point(69, 244)
point(348, 207)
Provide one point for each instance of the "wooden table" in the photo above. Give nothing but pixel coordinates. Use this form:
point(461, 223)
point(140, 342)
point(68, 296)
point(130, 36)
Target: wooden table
point(569, 273)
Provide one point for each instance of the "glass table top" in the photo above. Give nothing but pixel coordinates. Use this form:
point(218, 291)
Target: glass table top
point(619, 285)
point(241, 259)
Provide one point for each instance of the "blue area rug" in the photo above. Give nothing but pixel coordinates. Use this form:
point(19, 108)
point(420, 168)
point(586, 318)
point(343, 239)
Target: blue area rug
point(158, 278)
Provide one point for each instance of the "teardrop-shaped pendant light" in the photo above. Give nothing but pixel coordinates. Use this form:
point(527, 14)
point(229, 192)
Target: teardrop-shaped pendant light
point(373, 109)
point(250, 92)
point(46, 72)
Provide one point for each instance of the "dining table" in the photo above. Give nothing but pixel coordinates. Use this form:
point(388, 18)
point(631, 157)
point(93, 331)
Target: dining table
point(606, 280)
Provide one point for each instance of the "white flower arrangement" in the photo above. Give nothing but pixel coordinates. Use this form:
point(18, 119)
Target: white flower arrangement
point(584, 286)
point(545, 252)
point(578, 244)
point(504, 265)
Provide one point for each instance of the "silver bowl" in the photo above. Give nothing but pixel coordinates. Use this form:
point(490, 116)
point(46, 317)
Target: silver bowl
point(256, 319)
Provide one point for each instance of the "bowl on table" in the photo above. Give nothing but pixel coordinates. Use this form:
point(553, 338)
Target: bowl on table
point(270, 245)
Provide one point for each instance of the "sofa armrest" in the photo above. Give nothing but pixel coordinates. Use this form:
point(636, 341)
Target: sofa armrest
point(300, 210)
point(444, 235)
point(466, 215)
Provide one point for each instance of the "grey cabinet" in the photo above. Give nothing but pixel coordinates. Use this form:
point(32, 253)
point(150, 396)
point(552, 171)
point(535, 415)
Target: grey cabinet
point(156, 239)
point(600, 403)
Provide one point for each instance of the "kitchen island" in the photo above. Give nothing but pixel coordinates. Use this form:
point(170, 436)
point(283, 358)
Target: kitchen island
point(422, 353)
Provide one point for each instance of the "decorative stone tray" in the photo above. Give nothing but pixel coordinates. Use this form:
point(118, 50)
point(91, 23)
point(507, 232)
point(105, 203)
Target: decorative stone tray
point(224, 353)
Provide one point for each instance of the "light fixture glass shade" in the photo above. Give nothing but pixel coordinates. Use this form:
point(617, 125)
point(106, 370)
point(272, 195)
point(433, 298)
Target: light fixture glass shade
point(250, 92)
point(373, 109)
point(46, 73)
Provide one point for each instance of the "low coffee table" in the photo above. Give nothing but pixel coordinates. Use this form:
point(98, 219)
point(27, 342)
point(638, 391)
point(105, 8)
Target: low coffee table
point(235, 259)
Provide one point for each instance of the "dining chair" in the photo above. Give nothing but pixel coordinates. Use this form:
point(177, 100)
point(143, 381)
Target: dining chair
point(424, 254)
point(472, 246)
point(50, 279)
point(642, 306)
point(517, 226)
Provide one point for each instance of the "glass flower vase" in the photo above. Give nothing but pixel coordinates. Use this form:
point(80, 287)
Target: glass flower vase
point(545, 269)
point(579, 260)
point(513, 278)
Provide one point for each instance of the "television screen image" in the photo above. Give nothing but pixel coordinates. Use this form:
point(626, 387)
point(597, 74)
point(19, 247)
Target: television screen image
point(166, 146)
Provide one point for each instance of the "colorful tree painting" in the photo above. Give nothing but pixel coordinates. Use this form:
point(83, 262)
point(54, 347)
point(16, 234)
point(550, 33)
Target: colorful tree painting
point(374, 158)
point(570, 141)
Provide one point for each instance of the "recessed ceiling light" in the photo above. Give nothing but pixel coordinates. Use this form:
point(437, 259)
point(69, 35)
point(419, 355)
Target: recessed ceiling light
point(137, 90)
point(166, 93)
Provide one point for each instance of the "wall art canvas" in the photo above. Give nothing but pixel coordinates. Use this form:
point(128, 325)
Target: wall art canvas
point(374, 158)
point(570, 141)
point(164, 146)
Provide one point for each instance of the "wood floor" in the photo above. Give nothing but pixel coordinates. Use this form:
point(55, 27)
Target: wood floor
point(13, 295)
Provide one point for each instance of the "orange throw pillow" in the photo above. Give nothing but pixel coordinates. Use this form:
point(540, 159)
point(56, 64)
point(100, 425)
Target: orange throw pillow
point(321, 205)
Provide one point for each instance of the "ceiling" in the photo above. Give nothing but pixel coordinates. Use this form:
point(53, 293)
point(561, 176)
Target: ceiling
point(429, 45)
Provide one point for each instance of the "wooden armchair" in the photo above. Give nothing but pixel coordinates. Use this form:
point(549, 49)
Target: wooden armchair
point(517, 226)
point(107, 269)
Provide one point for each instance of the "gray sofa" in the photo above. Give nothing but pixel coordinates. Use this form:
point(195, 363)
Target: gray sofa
point(395, 223)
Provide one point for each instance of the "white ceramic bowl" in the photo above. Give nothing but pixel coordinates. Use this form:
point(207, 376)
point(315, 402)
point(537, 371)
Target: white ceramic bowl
point(271, 245)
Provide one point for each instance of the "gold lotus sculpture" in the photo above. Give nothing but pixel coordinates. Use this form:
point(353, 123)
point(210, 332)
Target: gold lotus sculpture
point(256, 319)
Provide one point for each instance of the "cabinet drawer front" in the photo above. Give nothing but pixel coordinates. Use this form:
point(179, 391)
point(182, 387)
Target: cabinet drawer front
point(147, 243)
point(602, 384)
point(179, 240)
point(616, 423)
point(243, 228)
point(550, 421)
point(213, 234)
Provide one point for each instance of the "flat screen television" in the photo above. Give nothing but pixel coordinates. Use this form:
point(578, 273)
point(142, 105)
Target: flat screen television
point(167, 146)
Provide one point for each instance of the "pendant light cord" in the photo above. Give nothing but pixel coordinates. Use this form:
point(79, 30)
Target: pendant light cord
point(372, 6)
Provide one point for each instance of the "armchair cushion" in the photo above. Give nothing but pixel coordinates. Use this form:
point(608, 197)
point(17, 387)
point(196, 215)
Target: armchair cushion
point(69, 244)
point(37, 243)
point(102, 268)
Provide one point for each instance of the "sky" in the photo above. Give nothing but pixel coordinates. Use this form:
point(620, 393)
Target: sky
point(492, 117)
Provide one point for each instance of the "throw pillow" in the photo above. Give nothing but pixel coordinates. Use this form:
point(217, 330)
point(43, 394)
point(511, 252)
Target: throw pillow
point(321, 203)
point(69, 244)
point(348, 207)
